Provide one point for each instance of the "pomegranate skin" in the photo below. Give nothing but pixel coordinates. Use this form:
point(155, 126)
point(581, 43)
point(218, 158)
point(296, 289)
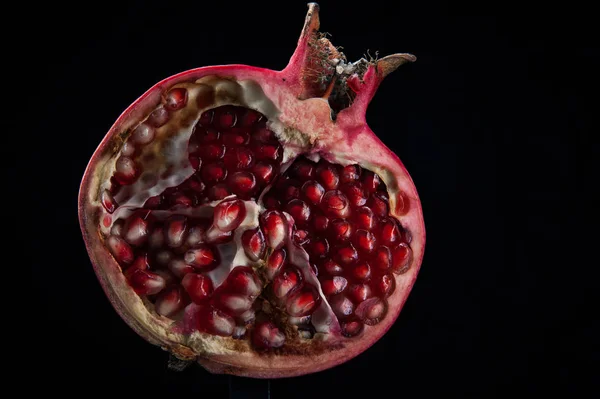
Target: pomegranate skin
point(340, 141)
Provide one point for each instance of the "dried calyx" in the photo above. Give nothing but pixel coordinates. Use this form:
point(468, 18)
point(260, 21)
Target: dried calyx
point(249, 219)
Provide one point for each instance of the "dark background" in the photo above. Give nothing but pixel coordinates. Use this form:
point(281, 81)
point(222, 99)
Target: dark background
point(492, 121)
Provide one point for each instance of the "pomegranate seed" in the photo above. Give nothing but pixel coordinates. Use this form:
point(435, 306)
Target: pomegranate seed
point(299, 321)
point(213, 173)
point(195, 184)
point(362, 271)
point(108, 202)
point(196, 235)
point(197, 286)
point(313, 192)
point(143, 134)
point(164, 257)
point(271, 202)
point(232, 304)
point(176, 231)
point(289, 189)
point(176, 99)
point(340, 230)
point(238, 158)
point(212, 152)
point(229, 214)
point(382, 260)
point(378, 204)
point(206, 118)
point(328, 176)
point(121, 251)
point(239, 332)
point(225, 117)
point(263, 172)
point(128, 149)
point(159, 116)
point(350, 174)
point(126, 171)
point(247, 317)
point(263, 135)
point(358, 292)
point(157, 238)
point(179, 268)
point(351, 328)
point(285, 282)
point(274, 228)
point(216, 236)
point(355, 194)
point(140, 262)
point(167, 276)
point(299, 211)
point(203, 258)
point(182, 200)
point(154, 202)
point(144, 282)
point(275, 262)
point(267, 336)
point(364, 241)
point(370, 182)
point(301, 237)
point(302, 169)
point(334, 286)
point(268, 152)
point(170, 302)
point(401, 258)
point(384, 285)
point(365, 218)
point(207, 135)
point(253, 242)
point(332, 268)
point(215, 322)
point(235, 138)
point(335, 204)
point(218, 192)
point(371, 311)
point(320, 223)
point(244, 281)
point(319, 248)
point(249, 118)
point(242, 183)
point(302, 303)
point(342, 306)
point(390, 232)
point(346, 255)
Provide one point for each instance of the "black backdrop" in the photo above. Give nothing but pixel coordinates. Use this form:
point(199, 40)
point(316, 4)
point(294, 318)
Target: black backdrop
point(492, 122)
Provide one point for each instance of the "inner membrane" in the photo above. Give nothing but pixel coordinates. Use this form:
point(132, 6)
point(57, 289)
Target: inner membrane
point(223, 230)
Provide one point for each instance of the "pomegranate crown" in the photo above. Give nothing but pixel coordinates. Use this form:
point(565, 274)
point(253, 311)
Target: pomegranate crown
point(318, 69)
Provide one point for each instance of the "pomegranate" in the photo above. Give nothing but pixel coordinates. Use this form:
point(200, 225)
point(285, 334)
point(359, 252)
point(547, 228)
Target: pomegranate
point(250, 220)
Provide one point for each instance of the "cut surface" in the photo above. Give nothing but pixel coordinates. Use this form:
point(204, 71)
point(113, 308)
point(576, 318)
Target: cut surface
point(233, 220)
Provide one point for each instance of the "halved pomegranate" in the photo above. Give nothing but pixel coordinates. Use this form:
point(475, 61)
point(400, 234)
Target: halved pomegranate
point(249, 219)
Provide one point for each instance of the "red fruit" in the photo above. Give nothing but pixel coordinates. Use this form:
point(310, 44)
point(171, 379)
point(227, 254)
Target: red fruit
point(273, 170)
point(197, 286)
point(267, 336)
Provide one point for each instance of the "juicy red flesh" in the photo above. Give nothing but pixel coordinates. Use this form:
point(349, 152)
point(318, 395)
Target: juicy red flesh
point(233, 152)
point(340, 218)
point(342, 215)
